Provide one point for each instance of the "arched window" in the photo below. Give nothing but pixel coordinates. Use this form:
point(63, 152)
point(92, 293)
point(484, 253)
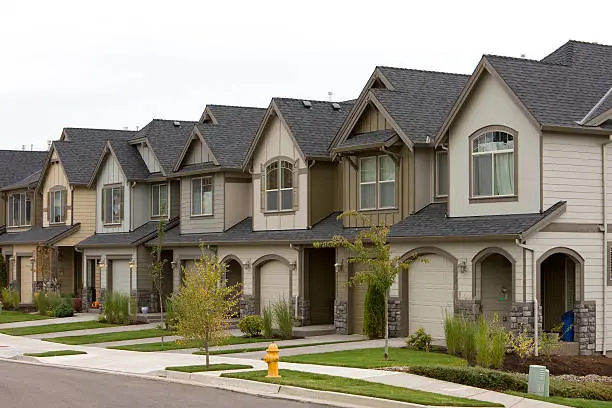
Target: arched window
point(279, 186)
point(493, 171)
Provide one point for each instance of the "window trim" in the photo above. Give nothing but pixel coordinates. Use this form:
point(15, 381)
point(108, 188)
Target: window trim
point(436, 174)
point(279, 161)
point(493, 198)
point(212, 190)
point(9, 211)
point(63, 205)
point(159, 185)
point(377, 182)
point(112, 187)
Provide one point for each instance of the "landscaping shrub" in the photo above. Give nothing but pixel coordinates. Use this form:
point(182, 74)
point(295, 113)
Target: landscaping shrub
point(77, 304)
point(283, 317)
point(452, 332)
point(10, 299)
point(593, 391)
point(63, 309)
point(267, 322)
point(4, 278)
point(420, 340)
point(550, 342)
point(116, 308)
point(46, 303)
point(171, 317)
point(499, 341)
point(469, 329)
point(475, 377)
point(522, 344)
point(251, 326)
point(483, 345)
point(374, 313)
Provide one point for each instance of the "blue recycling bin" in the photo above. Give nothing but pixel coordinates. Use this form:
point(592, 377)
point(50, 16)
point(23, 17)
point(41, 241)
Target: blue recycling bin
point(567, 332)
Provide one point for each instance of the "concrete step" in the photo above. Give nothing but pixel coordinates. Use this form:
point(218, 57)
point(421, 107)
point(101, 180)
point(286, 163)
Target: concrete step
point(318, 330)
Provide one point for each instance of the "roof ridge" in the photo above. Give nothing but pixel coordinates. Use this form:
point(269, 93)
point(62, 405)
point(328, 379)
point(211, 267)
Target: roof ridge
point(235, 106)
point(23, 151)
point(305, 99)
point(424, 70)
point(99, 129)
point(530, 60)
point(587, 43)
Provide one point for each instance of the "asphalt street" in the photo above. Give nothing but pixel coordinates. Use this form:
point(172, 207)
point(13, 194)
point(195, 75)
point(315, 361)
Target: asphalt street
point(25, 386)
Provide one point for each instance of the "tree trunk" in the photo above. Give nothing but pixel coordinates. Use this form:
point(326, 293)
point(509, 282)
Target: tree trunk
point(207, 355)
point(387, 324)
point(161, 308)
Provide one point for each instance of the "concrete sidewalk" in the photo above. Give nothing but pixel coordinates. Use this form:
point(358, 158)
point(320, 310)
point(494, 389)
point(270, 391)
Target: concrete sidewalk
point(144, 363)
point(101, 330)
point(78, 317)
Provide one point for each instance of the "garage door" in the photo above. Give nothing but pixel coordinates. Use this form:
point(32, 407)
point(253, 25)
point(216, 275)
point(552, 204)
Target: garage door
point(25, 280)
point(356, 303)
point(121, 276)
point(430, 294)
point(274, 283)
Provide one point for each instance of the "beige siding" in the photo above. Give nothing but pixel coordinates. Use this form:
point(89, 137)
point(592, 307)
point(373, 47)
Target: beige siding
point(237, 201)
point(84, 213)
point(338, 180)
point(2, 211)
point(111, 174)
point(492, 104)
point(55, 176)
point(321, 187)
point(276, 142)
point(371, 120)
point(423, 177)
point(149, 158)
point(198, 153)
point(207, 223)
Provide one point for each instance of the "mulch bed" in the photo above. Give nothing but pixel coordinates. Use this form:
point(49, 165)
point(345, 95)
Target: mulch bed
point(558, 365)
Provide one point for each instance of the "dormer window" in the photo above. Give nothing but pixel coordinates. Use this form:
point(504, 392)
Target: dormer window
point(279, 186)
point(159, 200)
point(377, 183)
point(20, 210)
point(493, 169)
point(57, 205)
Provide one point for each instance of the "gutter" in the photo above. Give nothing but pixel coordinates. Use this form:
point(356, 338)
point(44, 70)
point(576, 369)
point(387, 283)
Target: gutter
point(536, 310)
point(604, 244)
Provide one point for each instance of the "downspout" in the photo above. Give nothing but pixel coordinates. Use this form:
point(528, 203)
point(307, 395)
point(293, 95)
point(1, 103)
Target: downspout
point(604, 245)
point(536, 309)
point(132, 205)
point(71, 205)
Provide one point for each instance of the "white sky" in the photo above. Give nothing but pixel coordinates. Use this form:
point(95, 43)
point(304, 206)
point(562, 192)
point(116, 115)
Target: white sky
point(112, 64)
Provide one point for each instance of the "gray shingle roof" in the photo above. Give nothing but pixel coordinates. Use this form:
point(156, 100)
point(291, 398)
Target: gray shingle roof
point(38, 234)
point(415, 81)
point(229, 140)
point(432, 222)
point(129, 159)
point(314, 127)
point(166, 139)
point(191, 168)
point(564, 86)
point(368, 138)
point(145, 232)
point(16, 165)
point(29, 182)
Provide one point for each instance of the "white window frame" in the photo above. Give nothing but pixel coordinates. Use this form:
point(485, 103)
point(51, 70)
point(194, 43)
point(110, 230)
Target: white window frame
point(282, 166)
point(159, 203)
point(52, 197)
point(113, 221)
point(377, 182)
point(437, 170)
point(212, 199)
point(493, 153)
point(23, 199)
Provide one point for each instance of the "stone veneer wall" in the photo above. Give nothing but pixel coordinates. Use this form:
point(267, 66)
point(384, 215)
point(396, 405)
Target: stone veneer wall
point(585, 326)
point(470, 308)
point(247, 305)
point(303, 312)
point(341, 316)
point(521, 317)
point(394, 306)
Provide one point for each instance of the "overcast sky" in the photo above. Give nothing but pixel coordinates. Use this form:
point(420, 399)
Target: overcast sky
point(116, 64)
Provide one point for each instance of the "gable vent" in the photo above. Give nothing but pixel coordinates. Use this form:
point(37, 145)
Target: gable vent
point(336, 106)
point(307, 104)
point(176, 123)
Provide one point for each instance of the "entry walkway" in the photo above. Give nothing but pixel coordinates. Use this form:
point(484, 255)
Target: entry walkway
point(79, 317)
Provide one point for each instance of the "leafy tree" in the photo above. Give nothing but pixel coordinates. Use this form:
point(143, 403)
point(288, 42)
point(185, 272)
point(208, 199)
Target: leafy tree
point(4, 278)
point(158, 267)
point(205, 304)
point(370, 248)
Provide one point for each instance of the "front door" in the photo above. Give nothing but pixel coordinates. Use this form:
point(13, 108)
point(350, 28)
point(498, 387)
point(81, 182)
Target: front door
point(25, 279)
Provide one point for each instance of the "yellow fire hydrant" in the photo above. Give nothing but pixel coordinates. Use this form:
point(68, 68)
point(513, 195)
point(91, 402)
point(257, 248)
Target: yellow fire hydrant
point(272, 359)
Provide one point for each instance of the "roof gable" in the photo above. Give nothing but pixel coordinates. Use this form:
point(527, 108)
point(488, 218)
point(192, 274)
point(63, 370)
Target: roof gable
point(196, 151)
point(16, 165)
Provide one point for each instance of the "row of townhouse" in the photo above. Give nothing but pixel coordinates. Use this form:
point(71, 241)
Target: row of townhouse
point(500, 179)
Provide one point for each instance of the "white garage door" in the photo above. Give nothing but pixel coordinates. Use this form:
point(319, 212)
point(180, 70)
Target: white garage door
point(430, 294)
point(121, 276)
point(274, 283)
point(25, 280)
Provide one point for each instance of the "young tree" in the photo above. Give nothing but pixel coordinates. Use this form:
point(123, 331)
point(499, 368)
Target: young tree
point(4, 278)
point(158, 267)
point(370, 248)
point(205, 304)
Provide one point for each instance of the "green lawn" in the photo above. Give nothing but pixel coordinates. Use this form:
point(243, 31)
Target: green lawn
point(212, 367)
point(374, 358)
point(108, 337)
point(174, 345)
point(54, 328)
point(570, 402)
point(359, 387)
point(9, 316)
point(247, 350)
point(55, 353)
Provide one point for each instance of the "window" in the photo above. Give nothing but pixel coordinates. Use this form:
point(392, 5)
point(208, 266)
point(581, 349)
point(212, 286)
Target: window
point(493, 169)
point(112, 205)
point(20, 209)
point(279, 186)
point(57, 206)
point(377, 183)
point(159, 200)
point(201, 196)
point(441, 174)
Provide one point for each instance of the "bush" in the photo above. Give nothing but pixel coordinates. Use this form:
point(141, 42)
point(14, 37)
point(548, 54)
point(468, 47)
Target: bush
point(483, 344)
point(452, 332)
point(116, 308)
point(522, 344)
point(251, 326)
point(46, 303)
point(475, 377)
point(374, 313)
point(4, 278)
point(499, 341)
point(283, 317)
point(63, 309)
point(171, 317)
point(468, 338)
point(10, 299)
point(77, 304)
point(420, 340)
point(267, 322)
point(592, 391)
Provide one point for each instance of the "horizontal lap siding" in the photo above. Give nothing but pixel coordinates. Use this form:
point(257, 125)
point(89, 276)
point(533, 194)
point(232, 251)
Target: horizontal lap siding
point(111, 174)
point(212, 223)
point(84, 213)
point(237, 202)
point(55, 176)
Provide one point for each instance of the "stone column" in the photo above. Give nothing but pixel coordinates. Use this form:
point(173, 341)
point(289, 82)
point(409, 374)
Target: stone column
point(470, 308)
point(303, 311)
point(521, 318)
point(585, 326)
point(394, 305)
point(342, 293)
point(341, 316)
point(247, 305)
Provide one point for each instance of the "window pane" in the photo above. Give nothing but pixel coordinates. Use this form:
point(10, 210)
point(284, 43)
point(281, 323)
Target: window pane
point(22, 211)
point(442, 173)
point(272, 176)
point(207, 202)
point(286, 199)
point(15, 210)
point(57, 206)
point(368, 169)
point(196, 196)
point(368, 196)
point(28, 211)
point(387, 194)
point(155, 200)
point(387, 168)
point(286, 178)
point(117, 205)
point(504, 173)
point(108, 205)
point(493, 141)
point(272, 200)
point(483, 183)
point(163, 199)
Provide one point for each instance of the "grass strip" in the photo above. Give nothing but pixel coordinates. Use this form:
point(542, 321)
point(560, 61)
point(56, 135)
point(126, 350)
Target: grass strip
point(55, 353)
point(108, 337)
point(212, 367)
point(180, 345)
point(374, 358)
point(247, 350)
point(9, 316)
point(55, 328)
point(359, 387)
point(570, 402)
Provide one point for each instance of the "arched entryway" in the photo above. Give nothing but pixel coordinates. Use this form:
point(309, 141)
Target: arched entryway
point(493, 281)
point(561, 285)
point(233, 276)
point(272, 276)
